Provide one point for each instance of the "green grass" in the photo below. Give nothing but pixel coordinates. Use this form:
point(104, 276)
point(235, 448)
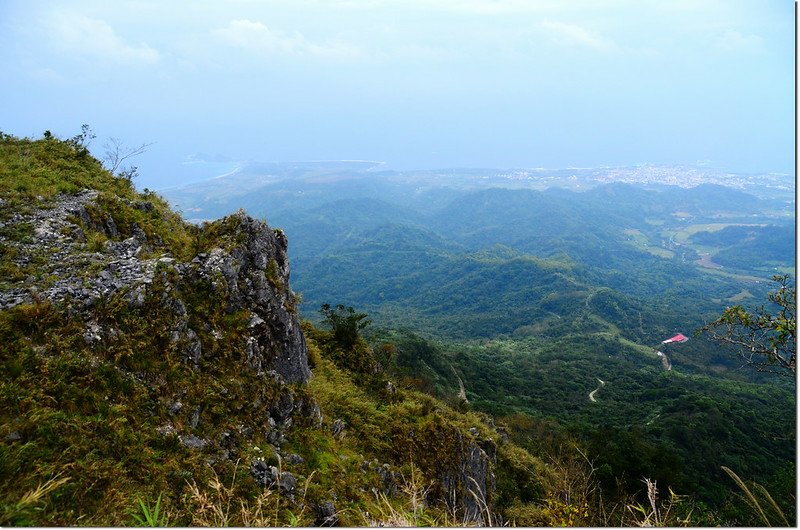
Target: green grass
point(85, 448)
point(150, 517)
point(734, 275)
point(683, 236)
point(46, 167)
point(741, 295)
point(641, 242)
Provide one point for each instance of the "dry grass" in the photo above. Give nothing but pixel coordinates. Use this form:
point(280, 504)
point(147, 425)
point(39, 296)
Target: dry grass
point(575, 489)
point(752, 500)
point(19, 513)
point(219, 505)
point(661, 514)
point(415, 512)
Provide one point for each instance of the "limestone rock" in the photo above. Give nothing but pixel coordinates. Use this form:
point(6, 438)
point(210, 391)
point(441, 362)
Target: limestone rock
point(337, 427)
point(252, 271)
point(246, 269)
point(282, 407)
point(276, 341)
point(294, 459)
point(262, 473)
point(192, 442)
point(326, 515)
point(12, 437)
point(267, 476)
point(470, 483)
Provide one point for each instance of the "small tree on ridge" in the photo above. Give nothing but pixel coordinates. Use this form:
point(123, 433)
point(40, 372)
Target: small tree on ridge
point(765, 339)
point(345, 324)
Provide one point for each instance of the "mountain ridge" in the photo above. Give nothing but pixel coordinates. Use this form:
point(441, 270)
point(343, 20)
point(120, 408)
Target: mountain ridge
point(149, 360)
point(146, 357)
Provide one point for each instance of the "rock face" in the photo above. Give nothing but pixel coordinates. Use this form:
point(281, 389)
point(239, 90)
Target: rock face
point(60, 241)
point(255, 276)
point(470, 484)
point(250, 271)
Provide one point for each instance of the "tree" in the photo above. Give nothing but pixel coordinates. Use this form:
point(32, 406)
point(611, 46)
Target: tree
point(766, 338)
point(116, 153)
point(80, 142)
point(345, 324)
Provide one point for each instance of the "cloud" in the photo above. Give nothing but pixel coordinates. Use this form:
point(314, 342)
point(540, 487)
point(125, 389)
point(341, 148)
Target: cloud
point(732, 40)
point(574, 35)
point(82, 35)
point(477, 7)
point(258, 37)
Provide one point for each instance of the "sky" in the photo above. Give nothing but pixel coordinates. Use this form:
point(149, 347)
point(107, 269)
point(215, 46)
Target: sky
point(413, 83)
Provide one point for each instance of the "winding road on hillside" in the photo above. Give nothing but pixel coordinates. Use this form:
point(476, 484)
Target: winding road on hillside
point(664, 360)
point(593, 392)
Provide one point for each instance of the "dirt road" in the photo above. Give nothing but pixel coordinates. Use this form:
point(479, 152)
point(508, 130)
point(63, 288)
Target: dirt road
point(593, 392)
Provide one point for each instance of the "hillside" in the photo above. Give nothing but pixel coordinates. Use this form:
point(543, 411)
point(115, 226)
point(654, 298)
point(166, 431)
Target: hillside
point(520, 299)
point(148, 362)
point(636, 238)
point(151, 363)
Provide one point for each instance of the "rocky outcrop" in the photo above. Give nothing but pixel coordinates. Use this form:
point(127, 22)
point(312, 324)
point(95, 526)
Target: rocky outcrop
point(68, 272)
point(460, 463)
point(469, 484)
point(249, 270)
point(233, 296)
point(268, 476)
point(225, 357)
point(326, 515)
point(254, 275)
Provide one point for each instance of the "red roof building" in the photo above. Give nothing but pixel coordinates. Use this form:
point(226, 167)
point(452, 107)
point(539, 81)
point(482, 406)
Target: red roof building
point(680, 337)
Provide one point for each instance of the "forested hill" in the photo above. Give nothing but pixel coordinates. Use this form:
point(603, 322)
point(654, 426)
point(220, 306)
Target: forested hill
point(521, 297)
point(158, 372)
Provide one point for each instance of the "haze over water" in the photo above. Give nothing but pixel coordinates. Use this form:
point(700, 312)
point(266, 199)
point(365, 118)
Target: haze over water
point(414, 84)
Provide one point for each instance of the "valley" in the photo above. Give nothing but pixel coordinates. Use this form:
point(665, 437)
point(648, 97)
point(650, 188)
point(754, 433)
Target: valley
point(521, 296)
point(481, 348)
point(370, 263)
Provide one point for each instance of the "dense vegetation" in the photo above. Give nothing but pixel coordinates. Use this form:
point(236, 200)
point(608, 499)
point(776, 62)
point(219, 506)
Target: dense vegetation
point(525, 323)
point(742, 246)
point(646, 422)
point(525, 298)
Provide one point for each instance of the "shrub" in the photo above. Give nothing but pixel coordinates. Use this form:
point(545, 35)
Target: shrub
point(345, 324)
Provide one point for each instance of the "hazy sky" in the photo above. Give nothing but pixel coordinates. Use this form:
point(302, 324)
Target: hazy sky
point(414, 83)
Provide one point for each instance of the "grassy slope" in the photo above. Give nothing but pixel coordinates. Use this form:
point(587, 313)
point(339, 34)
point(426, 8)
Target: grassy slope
point(82, 422)
point(79, 425)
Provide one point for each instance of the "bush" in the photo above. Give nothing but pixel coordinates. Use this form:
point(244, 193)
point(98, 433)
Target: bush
point(345, 324)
